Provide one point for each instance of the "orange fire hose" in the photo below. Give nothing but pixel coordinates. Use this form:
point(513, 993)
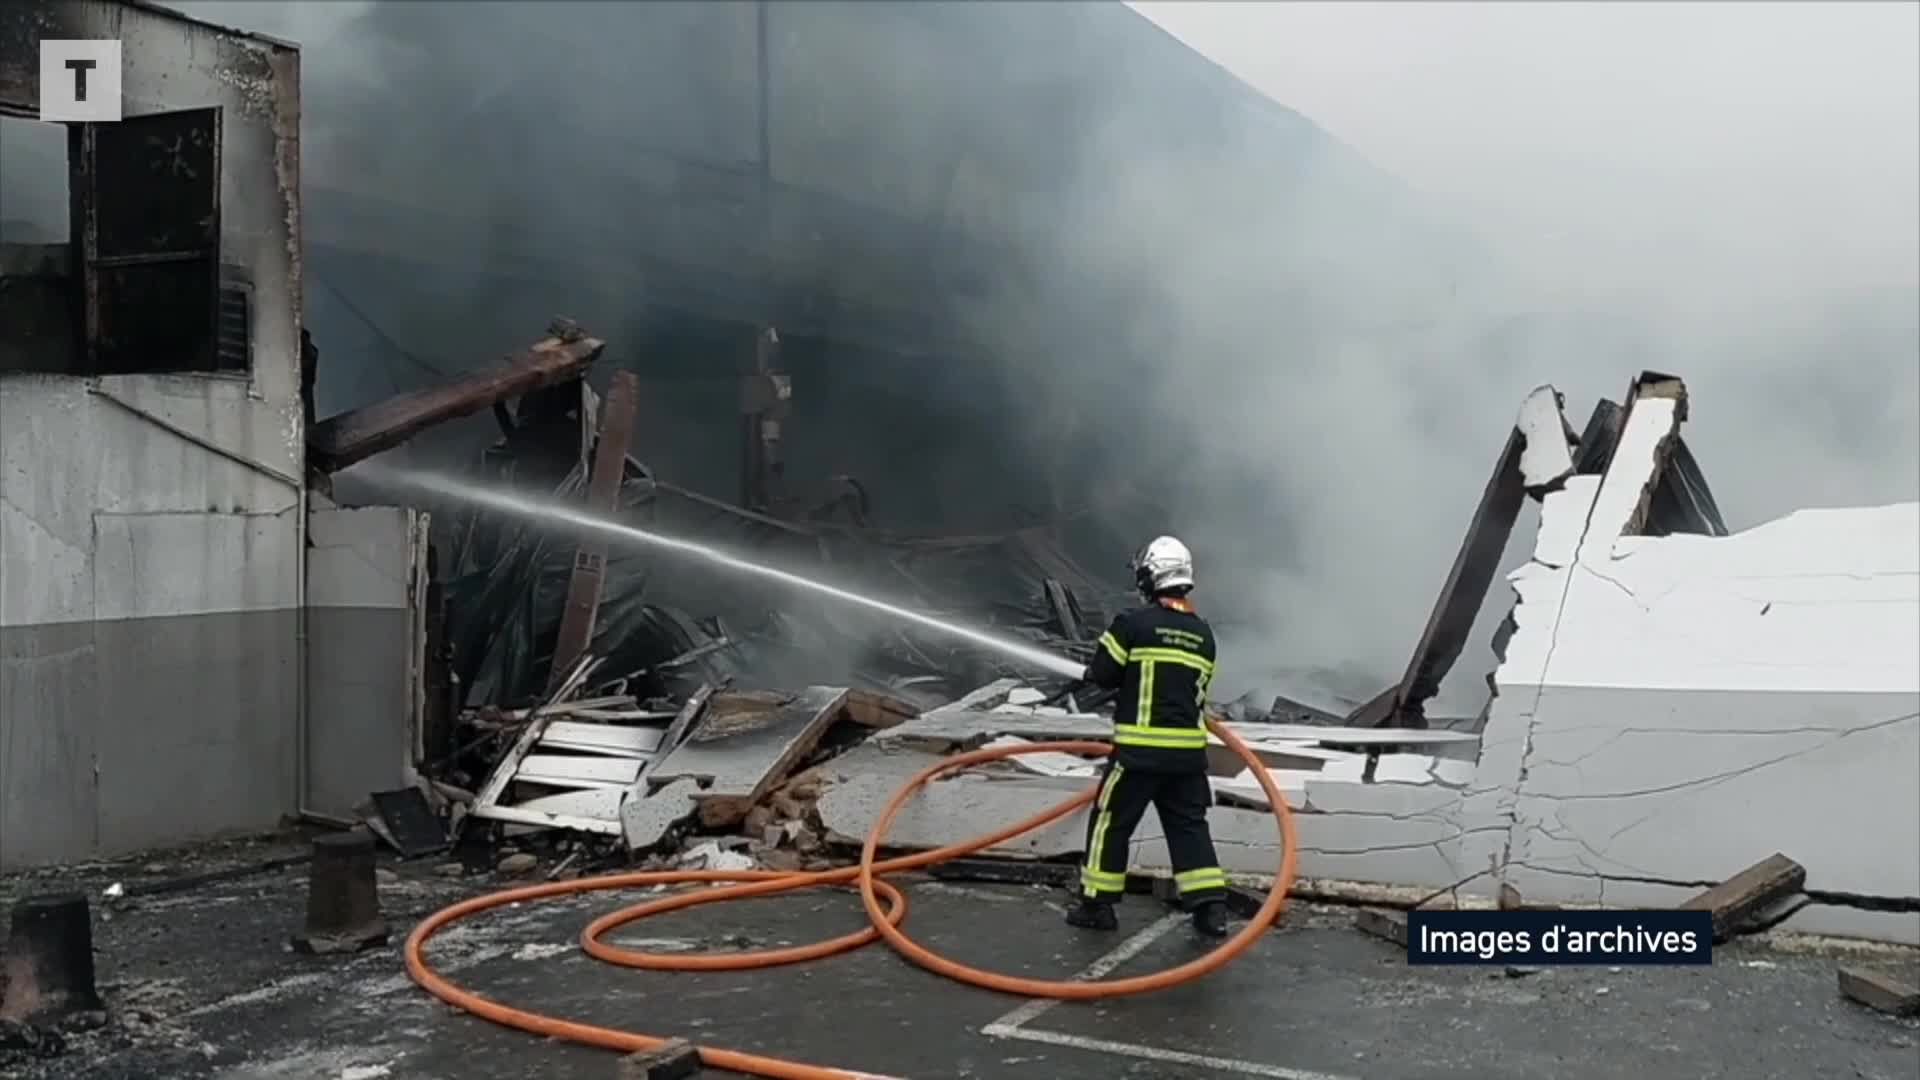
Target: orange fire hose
point(885, 922)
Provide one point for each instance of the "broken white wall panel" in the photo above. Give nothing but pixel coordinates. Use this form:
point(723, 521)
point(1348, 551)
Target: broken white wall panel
point(986, 697)
point(577, 771)
point(858, 783)
point(596, 810)
point(1387, 834)
point(1244, 791)
point(1672, 708)
point(950, 729)
point(1049, 762)
point(748, 762)
point(645, 819)
point(1817, 601)
point(1547, 456)
point(612, 739)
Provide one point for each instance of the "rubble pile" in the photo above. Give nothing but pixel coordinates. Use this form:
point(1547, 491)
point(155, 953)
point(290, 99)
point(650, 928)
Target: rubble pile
point(603, 704)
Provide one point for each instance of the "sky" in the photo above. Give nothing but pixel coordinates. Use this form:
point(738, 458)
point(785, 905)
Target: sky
point(1676, 136)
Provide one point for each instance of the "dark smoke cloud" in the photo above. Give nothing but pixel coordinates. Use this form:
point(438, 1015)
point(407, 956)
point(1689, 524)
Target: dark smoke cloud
point(1212, 317)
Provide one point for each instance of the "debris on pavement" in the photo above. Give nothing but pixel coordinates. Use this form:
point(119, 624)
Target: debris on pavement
point(676, 1059)
point(1383, 923)
point(1880, 991)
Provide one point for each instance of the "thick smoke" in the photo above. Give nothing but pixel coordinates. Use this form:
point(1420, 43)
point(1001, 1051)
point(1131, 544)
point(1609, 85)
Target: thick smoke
point(1213, 318)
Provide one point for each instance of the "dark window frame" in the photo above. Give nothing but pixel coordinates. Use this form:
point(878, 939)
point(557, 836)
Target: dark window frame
point(150, 292)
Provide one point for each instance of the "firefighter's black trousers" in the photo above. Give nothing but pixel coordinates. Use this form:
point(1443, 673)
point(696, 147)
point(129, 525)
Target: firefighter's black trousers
point(1181, 800)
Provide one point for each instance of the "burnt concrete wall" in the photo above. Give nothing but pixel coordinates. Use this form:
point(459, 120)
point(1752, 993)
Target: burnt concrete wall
point(150, 524)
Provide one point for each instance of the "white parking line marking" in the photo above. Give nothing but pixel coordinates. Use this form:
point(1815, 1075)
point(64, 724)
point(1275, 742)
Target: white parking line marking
point(1128, 949)
point(1171, 1057)
point(1014, 1024)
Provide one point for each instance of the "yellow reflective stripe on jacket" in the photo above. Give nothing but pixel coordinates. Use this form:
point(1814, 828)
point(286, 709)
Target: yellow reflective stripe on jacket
point(1112, 645)
point(1171, 738)
point(1143, 702)
point(1175, 656)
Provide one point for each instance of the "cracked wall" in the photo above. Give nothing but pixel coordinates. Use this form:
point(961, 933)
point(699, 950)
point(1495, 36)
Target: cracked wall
point(1670, 711)
point(1674, 709)
point(150, 524)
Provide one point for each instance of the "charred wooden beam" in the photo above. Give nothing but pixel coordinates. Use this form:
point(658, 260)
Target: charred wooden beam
point(340, 441)
point(764, 400)
point(603, 497)
point(1739, 899)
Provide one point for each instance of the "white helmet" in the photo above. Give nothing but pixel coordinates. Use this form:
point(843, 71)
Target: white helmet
point(1163, 564)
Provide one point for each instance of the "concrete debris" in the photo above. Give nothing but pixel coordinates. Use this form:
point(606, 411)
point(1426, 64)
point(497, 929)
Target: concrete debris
point(1383, 923)
point(711, 856)
point(737, 766)
point(1880, 991)
point(1615, 764)
point(647, 821)
point(519, 864)
point(677, 1059)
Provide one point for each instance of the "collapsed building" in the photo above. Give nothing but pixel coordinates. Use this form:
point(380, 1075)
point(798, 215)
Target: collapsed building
point(1671, 702)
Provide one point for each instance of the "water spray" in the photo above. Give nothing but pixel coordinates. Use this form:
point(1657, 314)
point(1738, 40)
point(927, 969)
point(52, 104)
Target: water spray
point(552, 510)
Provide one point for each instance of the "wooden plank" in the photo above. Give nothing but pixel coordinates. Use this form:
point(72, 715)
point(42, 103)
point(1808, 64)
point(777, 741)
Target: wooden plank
point(636, 742)
point(688, 715)
point(744, 766)
point(878, 710)
point(1738, 899)
point(550, 812)
point(603, 497)
point(342, 440)
point(556, 770)
point(648, 717)
point(573, 708)
point(1880, 991)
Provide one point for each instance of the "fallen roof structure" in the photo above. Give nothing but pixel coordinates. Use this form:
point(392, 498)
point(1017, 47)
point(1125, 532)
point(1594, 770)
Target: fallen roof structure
point(1673, 704)
point(1540, 453)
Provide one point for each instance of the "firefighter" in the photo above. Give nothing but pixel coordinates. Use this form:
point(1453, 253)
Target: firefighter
point(1160, 658)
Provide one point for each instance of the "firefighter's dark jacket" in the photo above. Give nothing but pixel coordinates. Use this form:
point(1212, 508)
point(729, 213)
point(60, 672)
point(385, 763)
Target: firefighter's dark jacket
point(1160, 658)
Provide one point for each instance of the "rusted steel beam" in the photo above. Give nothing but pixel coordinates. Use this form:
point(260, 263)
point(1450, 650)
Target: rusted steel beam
point(340, 441)
point(603, 497)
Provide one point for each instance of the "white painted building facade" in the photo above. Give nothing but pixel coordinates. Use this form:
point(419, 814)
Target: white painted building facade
point(153, 509)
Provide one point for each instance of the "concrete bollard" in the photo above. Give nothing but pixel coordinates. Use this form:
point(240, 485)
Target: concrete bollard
point(343, 897)
point(49, 960)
